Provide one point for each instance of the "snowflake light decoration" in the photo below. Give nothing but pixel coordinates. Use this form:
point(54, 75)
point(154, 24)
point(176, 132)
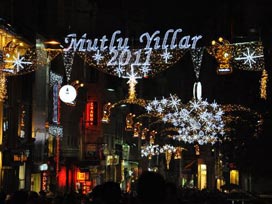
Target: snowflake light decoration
point(198, 121)
point(18, 62)
point(98, 57)
point(248, 57)
point(166, 55)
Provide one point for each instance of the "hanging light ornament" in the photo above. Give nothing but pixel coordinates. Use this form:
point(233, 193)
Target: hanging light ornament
point(198, 121)
point(137, 129)
point(68, 93)
point(152, 136)
point(144, 133)
point(129, 122)
point(106, 112)
point(178, 153)
point(197, 55)
point(223, 53)
point(168, 150)
point(132, 77)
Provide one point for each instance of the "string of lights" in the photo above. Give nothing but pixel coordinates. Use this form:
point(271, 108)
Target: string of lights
point(236, 114)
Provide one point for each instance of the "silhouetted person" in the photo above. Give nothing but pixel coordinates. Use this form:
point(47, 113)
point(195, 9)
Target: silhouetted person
point(33, 197)
point(151, 188)
point(96, 194)
point(171, 193)
point(20, 196)
point(2, 197)
point(111, 193)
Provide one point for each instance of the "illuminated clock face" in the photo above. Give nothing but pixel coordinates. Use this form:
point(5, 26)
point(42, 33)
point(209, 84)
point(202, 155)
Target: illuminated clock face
point(67, 93)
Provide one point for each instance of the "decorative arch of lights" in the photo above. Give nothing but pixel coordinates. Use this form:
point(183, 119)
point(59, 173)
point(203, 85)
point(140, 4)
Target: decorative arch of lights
point(236, 114)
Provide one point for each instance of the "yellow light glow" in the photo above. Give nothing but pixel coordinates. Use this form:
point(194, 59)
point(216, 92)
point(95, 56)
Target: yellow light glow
point(219, 183)
point(263, 84)
point(3, 90)
point(52, 42)
point(234, 177)
point(202, 176)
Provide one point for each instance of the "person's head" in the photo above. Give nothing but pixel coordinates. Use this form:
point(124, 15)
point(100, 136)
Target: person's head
point(151, 187)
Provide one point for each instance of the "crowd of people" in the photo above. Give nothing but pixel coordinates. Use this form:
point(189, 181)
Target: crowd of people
point(151, 188)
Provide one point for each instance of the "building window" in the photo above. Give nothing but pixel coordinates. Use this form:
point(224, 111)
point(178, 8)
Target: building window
point(234, 177)
point(202, 176)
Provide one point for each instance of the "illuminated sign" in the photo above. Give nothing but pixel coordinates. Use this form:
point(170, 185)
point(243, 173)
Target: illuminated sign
point(119, 49)
point(118, 43)
point(44, 180)
point(91, 113)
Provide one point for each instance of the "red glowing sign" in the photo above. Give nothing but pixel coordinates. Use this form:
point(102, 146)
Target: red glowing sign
point(44, 181)
point(91, 114)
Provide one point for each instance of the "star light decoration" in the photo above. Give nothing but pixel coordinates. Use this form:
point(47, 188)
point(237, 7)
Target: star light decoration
point(18, 63)
point(132, 77)
point(237, 116)
point(198, 121)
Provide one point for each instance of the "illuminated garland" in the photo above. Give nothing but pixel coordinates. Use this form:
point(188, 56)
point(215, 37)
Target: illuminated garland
point(263, 84)
point(235, 114)
point(3, 88)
